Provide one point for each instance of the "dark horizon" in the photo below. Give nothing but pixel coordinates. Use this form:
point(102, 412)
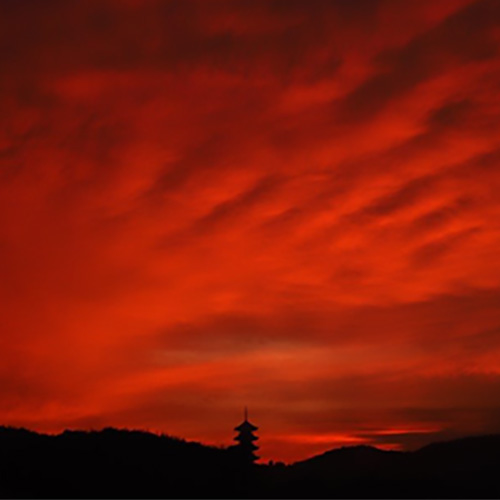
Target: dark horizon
point(230, 440)
point(132, 464)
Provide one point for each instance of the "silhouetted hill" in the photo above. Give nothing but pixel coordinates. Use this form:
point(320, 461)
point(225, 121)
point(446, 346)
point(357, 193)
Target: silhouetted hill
point(464, 468)
point(111, 463)
point(133, 464)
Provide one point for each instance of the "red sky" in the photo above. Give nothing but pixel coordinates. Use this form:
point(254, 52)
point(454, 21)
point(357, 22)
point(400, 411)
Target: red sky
point(290, 205)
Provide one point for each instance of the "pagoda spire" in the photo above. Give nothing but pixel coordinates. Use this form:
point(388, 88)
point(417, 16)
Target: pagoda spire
point(246, 439)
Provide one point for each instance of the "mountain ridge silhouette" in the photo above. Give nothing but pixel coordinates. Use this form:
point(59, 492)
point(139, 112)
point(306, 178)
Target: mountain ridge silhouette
point(123, 463)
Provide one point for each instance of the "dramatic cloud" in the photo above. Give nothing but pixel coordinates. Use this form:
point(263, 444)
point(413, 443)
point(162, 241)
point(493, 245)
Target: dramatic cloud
point(290, 205)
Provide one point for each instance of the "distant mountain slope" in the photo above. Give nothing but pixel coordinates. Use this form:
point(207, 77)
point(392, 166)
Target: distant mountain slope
point(464, 468)
point(133, 464)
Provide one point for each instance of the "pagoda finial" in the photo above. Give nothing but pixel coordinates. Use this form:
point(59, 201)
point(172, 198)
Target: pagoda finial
point(246, 413)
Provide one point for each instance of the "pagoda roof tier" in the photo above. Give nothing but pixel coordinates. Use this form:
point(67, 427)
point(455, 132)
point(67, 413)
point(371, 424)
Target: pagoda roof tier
point(246, 433)
point(246, 437)
point(246, 426)
point(247, 445)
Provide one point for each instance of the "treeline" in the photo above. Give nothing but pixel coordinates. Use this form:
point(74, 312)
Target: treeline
point(132, 464)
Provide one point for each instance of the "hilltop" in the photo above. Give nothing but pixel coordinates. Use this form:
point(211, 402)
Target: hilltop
point(132, 464)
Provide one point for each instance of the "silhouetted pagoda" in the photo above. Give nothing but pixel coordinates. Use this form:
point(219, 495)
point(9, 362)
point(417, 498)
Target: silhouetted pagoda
point(246, 438)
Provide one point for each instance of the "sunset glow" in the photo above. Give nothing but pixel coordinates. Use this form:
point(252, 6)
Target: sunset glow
point(291, 205)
